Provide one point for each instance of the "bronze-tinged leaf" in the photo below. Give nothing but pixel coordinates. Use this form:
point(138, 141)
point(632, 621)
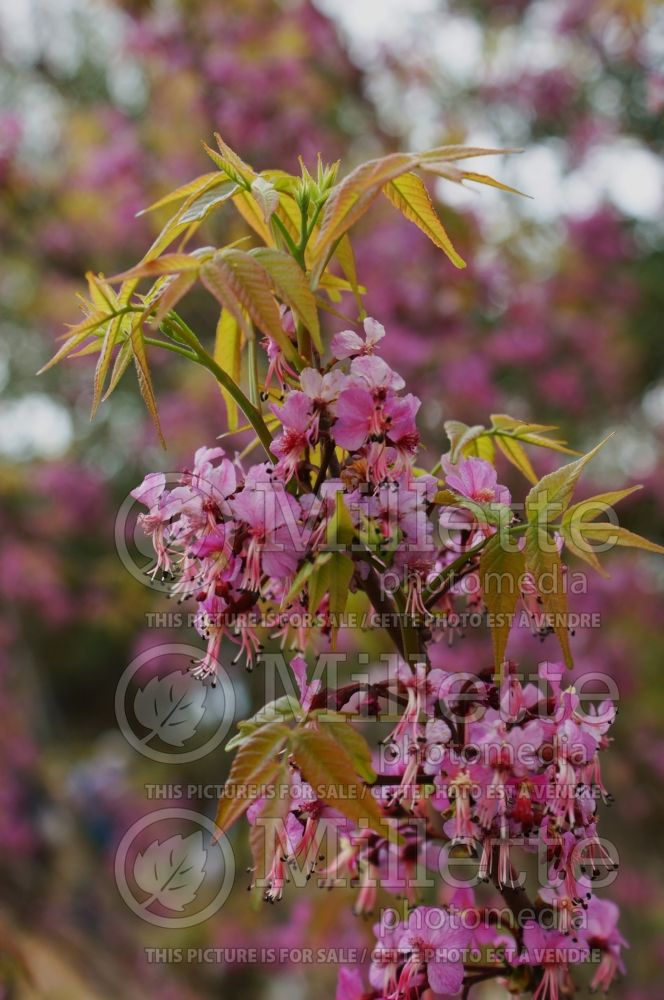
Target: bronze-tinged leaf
point(170, 293)
point(168, 263)
point(582, 552)
point(350, 199)
point(457, 176)
point(228, 355)
point(346, 257)
point(331, 773)
point(408, 193)
point(352, 741)
point(268, 830)
point(543, 561)
point(451, 153)
point(501, 573)
point(255, 766)
point(292, 287)
point(240, 283)
point(111, 337)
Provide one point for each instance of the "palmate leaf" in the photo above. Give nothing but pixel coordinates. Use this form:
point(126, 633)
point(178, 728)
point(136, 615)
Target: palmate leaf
point(256, 764)
point(349, 200)
point(552, 494)
point(330, 771)
point(409, 194)
point(501, 572)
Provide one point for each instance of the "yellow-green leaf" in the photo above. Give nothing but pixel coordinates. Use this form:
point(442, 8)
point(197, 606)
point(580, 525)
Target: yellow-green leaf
point(515, 454)
point(501, 573)
point(543, 561)
point(228, 355)
point(409, 195)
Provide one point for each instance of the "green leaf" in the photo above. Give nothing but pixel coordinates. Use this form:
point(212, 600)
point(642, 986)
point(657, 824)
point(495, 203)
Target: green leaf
point(329, 770)
point(112, 334)
point(613, 534)
point(340, 572)
point(282, 709)
point(292, 287)
point(340, 527)
point(319, 583)
point(592, 507)
point(409, 195)
point(256, 764)
point(501, 573)
point(228, 355)
point(543, 561)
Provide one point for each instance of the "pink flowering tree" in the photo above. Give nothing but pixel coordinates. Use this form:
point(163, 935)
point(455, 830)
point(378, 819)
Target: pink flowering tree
point(471, 825)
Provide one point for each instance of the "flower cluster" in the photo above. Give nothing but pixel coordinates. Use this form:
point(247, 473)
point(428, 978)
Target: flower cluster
point(487, 766)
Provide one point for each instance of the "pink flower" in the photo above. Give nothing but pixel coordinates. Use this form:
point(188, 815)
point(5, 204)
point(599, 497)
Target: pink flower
point(296, 418)
point(431, 940)
point(347, 344)
point(476, 479)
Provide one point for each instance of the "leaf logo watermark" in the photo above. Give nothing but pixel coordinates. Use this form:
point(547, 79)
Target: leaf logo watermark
point(171, 872)
point(174, 868)
point(170, 707)
point(168, 715)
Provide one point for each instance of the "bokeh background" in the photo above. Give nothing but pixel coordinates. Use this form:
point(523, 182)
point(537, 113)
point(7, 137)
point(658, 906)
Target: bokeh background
point(103, 104)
